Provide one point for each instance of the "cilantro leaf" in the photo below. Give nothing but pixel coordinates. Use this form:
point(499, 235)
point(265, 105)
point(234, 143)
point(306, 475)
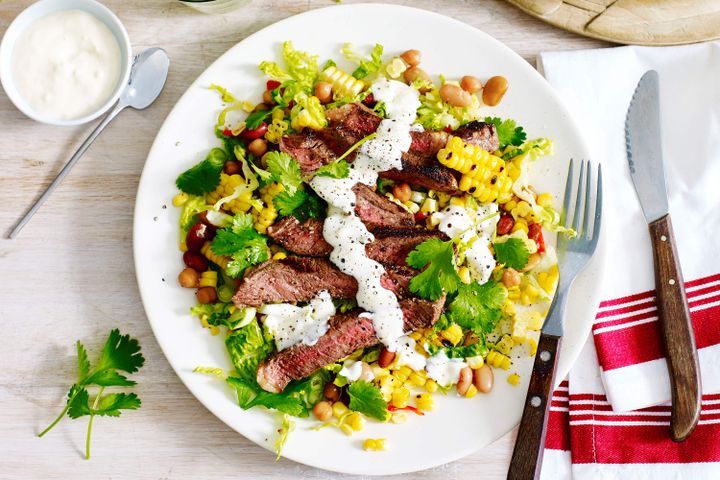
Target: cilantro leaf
point(512, 253)
point(205, 176)
point(250, 395)
point(254, 120)
point(285, 170)
point(478, 307)
point(242, 243)
point(120, 352)
point(508, 132)
point(464, 351)
point(440, 276)
point(339, 169)
point(302, 205)
point(366, 398)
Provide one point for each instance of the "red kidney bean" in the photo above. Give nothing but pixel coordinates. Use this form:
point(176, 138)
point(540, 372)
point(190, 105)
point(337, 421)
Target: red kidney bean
point(505, 224)
point(195, 261)
point(197, 236)
point(369, 101)
point(535, 233)
point(254, 133)
point(386, 357)
point(272, 84)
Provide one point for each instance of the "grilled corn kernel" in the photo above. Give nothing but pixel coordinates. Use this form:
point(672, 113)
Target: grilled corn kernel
point(400, 397)
point(508, 307)
point(403, 373)
point(416, 335)
point(226, 188)
point(504, 345)
point(464, 273)
point(510, 205)
point(443, 199)
point(532, 346)
point(374, 444)
point(471, 392)
point(514, 379)
point(180, 199)
point(545, 200)
point(522, 210)
point(424, 401)
point(417, 380)
point(475, 362)
point(218, 260)
point(399, 417)
point(431, 386)
point(343, 84)
point(452, 334)
point(339, 409)
point(430, 205)
point(279, 256)
point(534, 320)
point(412, 206)
point(520, 224)
point(484, 175)
point(457, 201)
point(355, 421)
point(498, 360)
point(379, 372)
point(346, 429)
point(182, 245)
point(519, 331)
point(208, 279)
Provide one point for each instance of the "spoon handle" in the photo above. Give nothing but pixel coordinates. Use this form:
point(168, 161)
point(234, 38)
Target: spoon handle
point(66, 169)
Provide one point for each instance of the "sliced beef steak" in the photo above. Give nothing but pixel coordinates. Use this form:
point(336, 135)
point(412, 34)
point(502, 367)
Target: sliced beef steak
point(392, 245)
point(353, 121)
point(293, 279)
point(482, 134)
point(347, 333)
point(304, 238)
point(310, 151)
point(377, 211)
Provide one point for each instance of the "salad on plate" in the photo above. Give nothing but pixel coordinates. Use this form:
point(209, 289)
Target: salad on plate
point(366, 238)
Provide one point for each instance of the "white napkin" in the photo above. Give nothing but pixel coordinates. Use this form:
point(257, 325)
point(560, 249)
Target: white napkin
point(597, 86)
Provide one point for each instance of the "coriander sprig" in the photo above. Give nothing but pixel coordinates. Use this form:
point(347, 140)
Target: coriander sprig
point(120, 353)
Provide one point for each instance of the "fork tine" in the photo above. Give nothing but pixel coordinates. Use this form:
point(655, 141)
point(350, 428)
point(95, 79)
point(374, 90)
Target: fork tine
point(578, 200)
point(598, 209)
point(587, 214)
point(568, 195)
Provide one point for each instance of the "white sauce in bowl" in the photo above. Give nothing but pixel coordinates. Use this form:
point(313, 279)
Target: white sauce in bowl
point(344, 230)
point(67, 64)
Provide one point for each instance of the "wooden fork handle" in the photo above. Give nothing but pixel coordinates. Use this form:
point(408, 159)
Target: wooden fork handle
point(676, 331)
point(527, 456)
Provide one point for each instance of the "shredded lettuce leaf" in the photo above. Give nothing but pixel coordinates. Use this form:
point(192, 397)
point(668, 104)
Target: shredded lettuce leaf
point(286, 426)
point(366, 66)
point(193, 206)
point(299, 74)
point(434, 114)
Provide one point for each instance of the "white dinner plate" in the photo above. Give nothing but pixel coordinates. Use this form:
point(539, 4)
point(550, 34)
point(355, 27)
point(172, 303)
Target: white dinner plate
point(458, 426)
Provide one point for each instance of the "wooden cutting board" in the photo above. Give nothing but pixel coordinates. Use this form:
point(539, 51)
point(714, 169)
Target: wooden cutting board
point(640, 22)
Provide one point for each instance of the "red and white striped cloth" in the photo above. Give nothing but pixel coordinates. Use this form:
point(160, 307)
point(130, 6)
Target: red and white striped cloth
point(610, 418)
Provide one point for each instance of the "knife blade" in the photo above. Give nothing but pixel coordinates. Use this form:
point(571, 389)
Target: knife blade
point(644, 153)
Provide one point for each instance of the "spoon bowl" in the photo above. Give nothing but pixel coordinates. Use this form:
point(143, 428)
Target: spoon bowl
point(147, 78)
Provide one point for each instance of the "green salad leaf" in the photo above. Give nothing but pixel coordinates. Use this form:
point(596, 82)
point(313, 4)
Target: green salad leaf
point(225, 94)
point(190, 209)
point(367, 66)
point(205, 176)
point(478, 307)
point(367, 399)
point(286, 427)
point(299, 74)
point(512, 253)
point(507, 131)
point(440, 275)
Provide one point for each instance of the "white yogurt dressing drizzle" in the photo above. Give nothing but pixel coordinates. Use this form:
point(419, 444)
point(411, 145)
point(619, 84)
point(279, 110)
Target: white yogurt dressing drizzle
point(291, 324)
point(445, 371)
point(352, 371)
point(344, 230)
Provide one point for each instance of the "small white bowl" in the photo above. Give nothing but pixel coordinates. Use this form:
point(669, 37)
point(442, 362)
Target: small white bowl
point(39, 10)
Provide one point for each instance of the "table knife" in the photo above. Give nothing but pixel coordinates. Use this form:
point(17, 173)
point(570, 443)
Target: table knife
point(644, 153)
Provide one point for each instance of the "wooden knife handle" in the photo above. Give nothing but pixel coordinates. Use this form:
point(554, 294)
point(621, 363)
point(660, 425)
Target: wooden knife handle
point(677, 331)
point(527, 456)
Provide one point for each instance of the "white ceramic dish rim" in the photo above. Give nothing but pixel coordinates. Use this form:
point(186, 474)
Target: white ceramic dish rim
point(568, 355)
point(39, 10)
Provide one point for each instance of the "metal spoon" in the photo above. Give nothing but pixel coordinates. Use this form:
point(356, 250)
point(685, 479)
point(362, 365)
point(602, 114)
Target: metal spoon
point(147, 78)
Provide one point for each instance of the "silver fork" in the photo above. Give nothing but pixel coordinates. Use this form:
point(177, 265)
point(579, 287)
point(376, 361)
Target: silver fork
point(574, 253)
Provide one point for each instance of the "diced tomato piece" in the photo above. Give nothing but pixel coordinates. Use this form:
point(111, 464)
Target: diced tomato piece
point(448, 129)
point(369, 101)
point(272, 84)
point(535, 233)
point(254, 133)
point(227, 132)
point(420, 216)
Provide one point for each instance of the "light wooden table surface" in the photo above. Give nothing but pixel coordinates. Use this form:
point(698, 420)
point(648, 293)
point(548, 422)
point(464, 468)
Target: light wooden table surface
point(70, 273)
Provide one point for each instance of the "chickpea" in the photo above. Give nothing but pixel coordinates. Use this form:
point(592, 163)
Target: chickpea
point(322, 411)
point(415, 73)
point(263, 161)
point(331, 392)
point(189, 278)
point(386, 357)
point(483, 379)
point(323, 91)
point(532, 262)
point(366, 372)
point(510, 278)
point(471, 339)
point(261, 106)
point(402, 191)
point(412, 57)
point(267, 98)
point(257, 147)
point(494, 90)
point(466, 379)
point(471, 84)
point(455, 96)
point(206, 295)
point(232, 167)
